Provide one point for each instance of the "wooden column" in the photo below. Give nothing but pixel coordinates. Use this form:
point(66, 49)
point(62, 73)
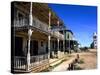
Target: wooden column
point(49, 37)
point(58, 35)
point(64, 42)
point(30, 15)
point(58, 43)
point(29, 39)
point(69, 44)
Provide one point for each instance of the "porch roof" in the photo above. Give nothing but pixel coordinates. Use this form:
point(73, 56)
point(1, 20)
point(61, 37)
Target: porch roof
point(41, 11)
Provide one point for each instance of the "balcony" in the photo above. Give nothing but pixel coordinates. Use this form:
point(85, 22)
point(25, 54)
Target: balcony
point(38, 25)
point(57, 34)
point(61, 36)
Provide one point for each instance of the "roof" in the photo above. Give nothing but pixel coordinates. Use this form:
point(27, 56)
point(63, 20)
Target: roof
point(41, 11)
point(69, 31)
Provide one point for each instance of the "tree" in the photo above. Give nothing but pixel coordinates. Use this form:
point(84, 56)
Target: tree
point(92, 45)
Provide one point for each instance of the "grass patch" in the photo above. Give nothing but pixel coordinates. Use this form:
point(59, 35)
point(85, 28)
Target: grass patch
point(81, 61)
point(78, 68)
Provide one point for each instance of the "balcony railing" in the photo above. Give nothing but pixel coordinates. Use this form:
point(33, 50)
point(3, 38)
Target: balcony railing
point(20, 63)
point(36, 24)
point(61, 36)
point(57, 34)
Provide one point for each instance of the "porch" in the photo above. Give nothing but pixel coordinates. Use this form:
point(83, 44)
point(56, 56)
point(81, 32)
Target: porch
point(38, 51)
point(20, 63)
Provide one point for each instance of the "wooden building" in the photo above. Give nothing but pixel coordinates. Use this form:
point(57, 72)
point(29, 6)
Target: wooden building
point(71, 45)
point(32, 40)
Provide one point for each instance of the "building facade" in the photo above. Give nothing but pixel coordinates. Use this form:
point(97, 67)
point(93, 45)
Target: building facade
point(71, 45)
point(95, 40)
point(32, 39)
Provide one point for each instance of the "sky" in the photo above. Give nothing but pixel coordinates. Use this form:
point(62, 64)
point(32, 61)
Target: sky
point(82, 20)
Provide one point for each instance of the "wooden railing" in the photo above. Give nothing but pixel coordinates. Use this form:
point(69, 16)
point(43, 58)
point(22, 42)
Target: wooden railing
point(21, 22)
point(20, 63)
point(40, 25)
point(36, 24)
point(59, 35)
point(38, 60)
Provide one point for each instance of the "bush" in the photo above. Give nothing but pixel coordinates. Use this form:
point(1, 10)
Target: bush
point(78, 68)
point(81, 61)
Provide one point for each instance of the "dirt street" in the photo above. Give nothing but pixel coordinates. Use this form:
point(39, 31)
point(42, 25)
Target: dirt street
point(89, 60)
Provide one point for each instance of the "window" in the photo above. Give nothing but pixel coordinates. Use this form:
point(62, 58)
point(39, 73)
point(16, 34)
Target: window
point(34, 47)
point(41, 43)
point(20, 15)
point(68, 36)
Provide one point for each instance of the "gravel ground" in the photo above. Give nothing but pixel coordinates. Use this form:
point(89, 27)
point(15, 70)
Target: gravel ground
point(90, 60)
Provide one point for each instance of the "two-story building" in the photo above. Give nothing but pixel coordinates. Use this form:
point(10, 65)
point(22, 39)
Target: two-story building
point(32, 40)
point(70, 43)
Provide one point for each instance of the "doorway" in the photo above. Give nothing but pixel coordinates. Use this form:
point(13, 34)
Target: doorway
point(18, 46)
point(34, 47)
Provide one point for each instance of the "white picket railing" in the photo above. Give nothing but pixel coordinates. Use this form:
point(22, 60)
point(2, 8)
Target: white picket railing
point(38, 60)
point(20, 62)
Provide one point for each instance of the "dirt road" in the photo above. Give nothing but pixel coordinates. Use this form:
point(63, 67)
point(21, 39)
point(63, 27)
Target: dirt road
point(89, 59)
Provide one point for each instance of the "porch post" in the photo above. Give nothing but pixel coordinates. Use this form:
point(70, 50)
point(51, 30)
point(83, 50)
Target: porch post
point(29, 38)
point(53, 48)
point(68, 43)
point(49, 37)
point(69, 47)
point(49, 45)
point(58, 35)
point(64, 42)
point(58, 43)
point(63, 45)
point(30, 15)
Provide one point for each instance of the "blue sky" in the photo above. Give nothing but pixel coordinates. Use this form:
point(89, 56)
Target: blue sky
point(82, 20)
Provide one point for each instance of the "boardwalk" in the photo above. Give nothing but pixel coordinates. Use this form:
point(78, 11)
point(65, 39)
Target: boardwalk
point(63, 66)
